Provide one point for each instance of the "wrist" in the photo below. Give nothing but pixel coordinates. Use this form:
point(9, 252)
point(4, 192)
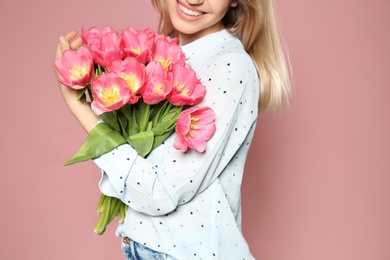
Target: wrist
point(84, 114)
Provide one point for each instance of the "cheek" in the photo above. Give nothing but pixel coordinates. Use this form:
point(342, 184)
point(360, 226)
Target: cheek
point(223, 10)
point(169, 3)
point(170, 7)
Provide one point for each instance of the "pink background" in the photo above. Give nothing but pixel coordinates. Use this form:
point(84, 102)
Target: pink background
point(317, 180)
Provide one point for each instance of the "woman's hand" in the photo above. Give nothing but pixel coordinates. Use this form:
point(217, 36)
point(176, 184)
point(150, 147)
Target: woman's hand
point(81, 110)
point(65, 43)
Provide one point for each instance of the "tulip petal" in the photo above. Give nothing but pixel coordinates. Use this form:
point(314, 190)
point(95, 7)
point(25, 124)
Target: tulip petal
point(187, 89)
point(158, 84)
point(75, 68)
point(194, 127)
point(180, 144)
point(110, 92)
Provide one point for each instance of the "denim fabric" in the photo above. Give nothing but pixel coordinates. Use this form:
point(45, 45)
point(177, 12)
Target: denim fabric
point(135, 251)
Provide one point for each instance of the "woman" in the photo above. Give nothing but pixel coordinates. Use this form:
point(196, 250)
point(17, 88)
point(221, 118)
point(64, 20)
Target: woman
point(187, 205)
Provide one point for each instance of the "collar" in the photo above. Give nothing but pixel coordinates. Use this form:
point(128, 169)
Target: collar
point(206, 43)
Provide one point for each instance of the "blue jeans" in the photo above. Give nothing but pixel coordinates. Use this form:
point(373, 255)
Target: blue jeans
point(136, 251)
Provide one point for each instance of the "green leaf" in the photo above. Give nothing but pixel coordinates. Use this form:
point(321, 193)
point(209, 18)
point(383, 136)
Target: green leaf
point(143, 115)
point(81, 93)
point(123, 124)
point(161, 138)
point(98, 70)
point(132, 127)
point(126, 111)
point(111, 119)
point(142, 142)
point(100, 140)
point(167, 122)
point(165, 126)
point(157, 111)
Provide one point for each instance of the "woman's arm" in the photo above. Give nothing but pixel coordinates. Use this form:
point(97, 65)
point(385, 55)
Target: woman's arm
point(168, 178)
point(81, 110)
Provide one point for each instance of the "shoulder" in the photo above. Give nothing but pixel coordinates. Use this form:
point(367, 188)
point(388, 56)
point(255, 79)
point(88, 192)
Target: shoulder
point(216, 48)
point(230, 60)
point(230, 52)
point(230, 47)
point(229, 72)
point(220, 59)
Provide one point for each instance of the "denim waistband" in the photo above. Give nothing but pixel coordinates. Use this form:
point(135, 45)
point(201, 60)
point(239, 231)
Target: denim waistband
point(135, 251)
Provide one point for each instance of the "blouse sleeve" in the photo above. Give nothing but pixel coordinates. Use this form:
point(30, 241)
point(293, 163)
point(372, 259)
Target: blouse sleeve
point(167, 177)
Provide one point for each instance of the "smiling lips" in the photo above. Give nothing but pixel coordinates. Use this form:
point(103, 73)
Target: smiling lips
point(188, 11)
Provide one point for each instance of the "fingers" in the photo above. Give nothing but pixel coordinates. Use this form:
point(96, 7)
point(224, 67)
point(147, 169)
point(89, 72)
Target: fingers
point(61, 46)
point(70, 35)
point(75, 44)
point(68, 42)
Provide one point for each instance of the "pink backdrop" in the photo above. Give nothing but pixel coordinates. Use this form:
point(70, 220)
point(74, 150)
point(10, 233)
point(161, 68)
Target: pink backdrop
point(317, 180)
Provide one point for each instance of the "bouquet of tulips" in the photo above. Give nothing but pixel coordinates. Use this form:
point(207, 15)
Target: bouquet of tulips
point(140, 86)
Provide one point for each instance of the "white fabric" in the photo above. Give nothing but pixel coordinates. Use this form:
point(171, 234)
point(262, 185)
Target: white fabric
point(187, 205)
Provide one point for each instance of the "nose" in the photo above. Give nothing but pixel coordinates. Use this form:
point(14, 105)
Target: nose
point(194, 2)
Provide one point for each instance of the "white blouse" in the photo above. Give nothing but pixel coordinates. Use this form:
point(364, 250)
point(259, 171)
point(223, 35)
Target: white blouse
point(187, 205)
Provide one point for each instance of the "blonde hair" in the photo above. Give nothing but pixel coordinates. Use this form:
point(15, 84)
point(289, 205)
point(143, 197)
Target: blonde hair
point(255, 24)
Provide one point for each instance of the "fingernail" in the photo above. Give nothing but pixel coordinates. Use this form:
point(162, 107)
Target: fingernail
point(62, 39)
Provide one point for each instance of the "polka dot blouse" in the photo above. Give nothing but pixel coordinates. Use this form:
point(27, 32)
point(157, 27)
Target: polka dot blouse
point(187, 205)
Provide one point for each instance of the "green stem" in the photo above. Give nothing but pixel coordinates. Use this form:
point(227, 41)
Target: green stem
point(102, 223)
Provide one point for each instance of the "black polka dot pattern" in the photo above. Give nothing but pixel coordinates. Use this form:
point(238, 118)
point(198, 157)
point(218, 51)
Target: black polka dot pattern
point(185, 204)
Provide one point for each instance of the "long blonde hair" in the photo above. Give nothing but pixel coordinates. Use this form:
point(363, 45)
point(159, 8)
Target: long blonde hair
point(255, 24)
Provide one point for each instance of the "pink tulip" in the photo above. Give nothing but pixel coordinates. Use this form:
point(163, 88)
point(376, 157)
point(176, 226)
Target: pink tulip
point(104, 44)
point(139, 44)
point(194, 127)
point(133, 73)
point(110, 93)
point(75, 68)
point(167, 51)
point(91, 37)
point(158, 84)
point(187, 89)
